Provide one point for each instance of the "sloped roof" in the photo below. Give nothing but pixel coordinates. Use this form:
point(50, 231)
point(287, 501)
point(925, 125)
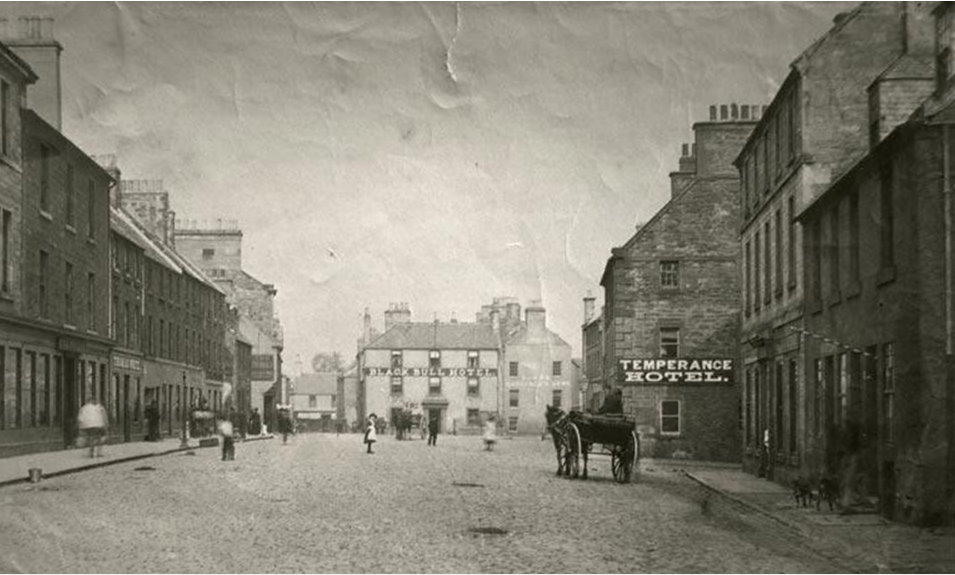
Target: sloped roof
point(127, 226)
point(427, 335)
point(325, 383)
point(522, 336)
point(909, 67)
point(190, 268)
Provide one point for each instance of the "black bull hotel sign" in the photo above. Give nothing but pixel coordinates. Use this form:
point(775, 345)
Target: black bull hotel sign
point(432, 372)
point(675, 371)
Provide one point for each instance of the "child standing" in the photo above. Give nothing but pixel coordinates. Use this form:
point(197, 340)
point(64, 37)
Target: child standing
point(370, 434)
point(489, 434)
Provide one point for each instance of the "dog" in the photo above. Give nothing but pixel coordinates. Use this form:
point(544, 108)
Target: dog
point(802, 492)
point(828, 491)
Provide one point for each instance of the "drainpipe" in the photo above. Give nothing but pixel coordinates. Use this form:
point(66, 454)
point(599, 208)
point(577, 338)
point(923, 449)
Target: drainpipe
point(949, 343)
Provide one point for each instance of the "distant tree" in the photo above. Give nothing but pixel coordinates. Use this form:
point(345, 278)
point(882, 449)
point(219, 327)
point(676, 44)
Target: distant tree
point(327, 362)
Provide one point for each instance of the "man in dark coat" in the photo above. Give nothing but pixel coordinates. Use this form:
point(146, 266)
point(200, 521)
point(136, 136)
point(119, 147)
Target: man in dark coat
point(433, 431)
point(152, 421)
point(255, 422)
point(613, 403)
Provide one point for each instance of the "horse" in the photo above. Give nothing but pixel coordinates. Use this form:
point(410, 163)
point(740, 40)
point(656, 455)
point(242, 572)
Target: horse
point(557, 422)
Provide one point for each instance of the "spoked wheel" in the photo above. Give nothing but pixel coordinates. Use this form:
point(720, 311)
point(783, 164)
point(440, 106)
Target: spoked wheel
point(623, 458)
point(573, 451)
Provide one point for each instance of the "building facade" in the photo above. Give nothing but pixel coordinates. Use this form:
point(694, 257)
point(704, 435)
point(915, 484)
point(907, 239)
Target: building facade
point(444, 371)
point(315, 400)
point(538, 371)
point(216, 248)
point(672, 303)
point(790, 158)
point(879, 313)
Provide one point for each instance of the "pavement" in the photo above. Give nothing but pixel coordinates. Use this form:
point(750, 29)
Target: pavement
point(859, 542)
point(55, 463)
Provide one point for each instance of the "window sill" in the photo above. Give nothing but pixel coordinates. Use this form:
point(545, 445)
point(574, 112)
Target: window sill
point(70, 229)
point(814, 306)
point(46, 215)
point(91, 241)
point(669, 435)
point(834, 299)
point(854, 289)
point(886, 275)
point(6, 159)
point(69, 327)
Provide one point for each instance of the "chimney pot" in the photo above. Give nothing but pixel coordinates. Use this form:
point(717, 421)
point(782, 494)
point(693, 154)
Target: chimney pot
point(686, 150)
point(712, 113)
point(734, 111)
point(744, 112)
point(724, 112)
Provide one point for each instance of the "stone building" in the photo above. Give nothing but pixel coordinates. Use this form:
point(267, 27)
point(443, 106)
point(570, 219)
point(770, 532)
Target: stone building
point(538, 371)
point(671, 314)
point(878, 272)
point(445, 371)
point(315, 398)
point(216, 248)
point(592, 360)
point(816, 126)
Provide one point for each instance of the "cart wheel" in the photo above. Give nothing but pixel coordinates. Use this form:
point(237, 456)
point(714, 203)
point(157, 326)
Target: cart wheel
point(573, 451)
point(623, 458)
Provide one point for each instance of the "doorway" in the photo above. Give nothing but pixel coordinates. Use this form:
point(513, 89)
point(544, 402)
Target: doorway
point(127, 420)
point(434, 414)
point(69, 405)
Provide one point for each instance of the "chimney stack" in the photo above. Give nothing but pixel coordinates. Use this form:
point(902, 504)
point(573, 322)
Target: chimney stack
point(589, 307)
point(32, 40)
point(535, 317)
point(495, 320)
point(366, 332)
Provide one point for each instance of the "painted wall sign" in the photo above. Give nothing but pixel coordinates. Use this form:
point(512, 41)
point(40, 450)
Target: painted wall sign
point(432, 372)
point(675, 371)
point(127, 363)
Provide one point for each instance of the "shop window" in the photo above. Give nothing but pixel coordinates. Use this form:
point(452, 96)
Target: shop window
point(670, 417)
point(888, 391)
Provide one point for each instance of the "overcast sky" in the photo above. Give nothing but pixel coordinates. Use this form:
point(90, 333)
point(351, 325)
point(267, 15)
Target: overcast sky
point(445, 154)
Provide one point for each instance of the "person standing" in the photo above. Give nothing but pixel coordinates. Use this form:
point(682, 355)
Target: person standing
point(152, 421)
point(490, 434)
point(93, 423)
point(255, 422)
point(285, 424)
point(371, 435)
point(433, 427)
point(226, 430)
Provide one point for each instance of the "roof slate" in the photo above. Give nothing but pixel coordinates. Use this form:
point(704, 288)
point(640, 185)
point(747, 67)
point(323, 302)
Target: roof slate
point(427, 335)
point(324, 383)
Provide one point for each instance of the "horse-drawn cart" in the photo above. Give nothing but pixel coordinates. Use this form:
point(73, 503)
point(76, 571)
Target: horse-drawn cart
point(615, 436)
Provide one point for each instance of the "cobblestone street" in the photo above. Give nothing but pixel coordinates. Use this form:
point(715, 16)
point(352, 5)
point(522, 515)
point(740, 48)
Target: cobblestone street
point(319, 504)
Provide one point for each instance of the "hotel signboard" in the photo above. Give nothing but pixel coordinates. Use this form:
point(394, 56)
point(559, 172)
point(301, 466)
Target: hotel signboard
point(431, 371)
point(675, 371)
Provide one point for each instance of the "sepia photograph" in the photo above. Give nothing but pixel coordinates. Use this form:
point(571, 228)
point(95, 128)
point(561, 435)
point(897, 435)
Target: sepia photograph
point(477, 287)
